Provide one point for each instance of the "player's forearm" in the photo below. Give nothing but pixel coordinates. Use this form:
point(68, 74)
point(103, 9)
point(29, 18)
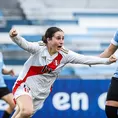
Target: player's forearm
point(109, 51)
point(92, 60)
point(20, 41)
point(76, 58)
point(5, 72)
point(105, 54)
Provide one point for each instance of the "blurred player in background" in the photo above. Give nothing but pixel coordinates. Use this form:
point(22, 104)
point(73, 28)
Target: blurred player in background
point(42, 68)
point(5, 94)
point(111, 108)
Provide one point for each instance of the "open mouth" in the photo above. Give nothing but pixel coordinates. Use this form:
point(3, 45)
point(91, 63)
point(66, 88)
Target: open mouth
point(59, 46)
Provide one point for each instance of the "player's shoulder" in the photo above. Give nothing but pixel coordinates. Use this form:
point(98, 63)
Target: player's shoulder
point(64, 50)
point(40, 43)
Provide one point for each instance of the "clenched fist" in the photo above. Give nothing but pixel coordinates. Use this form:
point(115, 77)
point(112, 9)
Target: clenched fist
point(13, 32)
point(112, 59)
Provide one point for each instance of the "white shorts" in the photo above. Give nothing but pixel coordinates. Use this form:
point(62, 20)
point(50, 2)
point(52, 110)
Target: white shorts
point(24, 90)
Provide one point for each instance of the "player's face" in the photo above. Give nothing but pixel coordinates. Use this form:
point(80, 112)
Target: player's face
point(57, 41)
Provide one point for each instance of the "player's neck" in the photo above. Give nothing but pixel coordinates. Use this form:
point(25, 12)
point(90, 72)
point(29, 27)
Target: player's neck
point(51, 51)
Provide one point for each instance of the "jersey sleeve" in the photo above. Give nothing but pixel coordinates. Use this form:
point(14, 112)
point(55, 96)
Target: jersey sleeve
point(31, 47)
point(114, 41)
point(76, 58)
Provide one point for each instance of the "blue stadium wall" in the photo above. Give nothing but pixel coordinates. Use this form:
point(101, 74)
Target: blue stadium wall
point(71, 98)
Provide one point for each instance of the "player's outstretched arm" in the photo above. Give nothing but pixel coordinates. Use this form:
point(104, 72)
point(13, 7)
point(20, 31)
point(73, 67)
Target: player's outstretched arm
point(21, 42)
point(76, 58)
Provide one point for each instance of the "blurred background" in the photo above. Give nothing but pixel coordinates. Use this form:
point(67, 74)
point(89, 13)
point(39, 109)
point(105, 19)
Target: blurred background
point(89, 26)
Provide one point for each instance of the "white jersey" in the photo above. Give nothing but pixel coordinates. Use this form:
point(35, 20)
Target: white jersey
point(41, 69)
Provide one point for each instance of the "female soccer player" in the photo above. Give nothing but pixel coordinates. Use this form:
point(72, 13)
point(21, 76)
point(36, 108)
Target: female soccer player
point(5, 94)
point(42, 68)
point(111, 108)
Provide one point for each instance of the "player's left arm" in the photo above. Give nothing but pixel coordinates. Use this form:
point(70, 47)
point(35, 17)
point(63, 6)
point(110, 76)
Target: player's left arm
point(5, 71)
point(76, 58)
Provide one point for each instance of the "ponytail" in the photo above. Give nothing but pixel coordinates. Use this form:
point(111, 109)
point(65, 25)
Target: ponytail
point(44, 39)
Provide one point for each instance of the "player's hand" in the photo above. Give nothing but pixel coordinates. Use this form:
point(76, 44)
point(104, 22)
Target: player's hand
point(112, 59)
point(11, 72)
point(13, 32)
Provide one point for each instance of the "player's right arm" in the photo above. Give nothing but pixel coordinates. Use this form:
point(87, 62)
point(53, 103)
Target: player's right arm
point(111, 48)
point(31, 47)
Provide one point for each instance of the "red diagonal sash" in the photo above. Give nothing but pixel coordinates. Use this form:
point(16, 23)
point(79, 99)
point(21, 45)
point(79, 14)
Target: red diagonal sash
point(35, 70)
